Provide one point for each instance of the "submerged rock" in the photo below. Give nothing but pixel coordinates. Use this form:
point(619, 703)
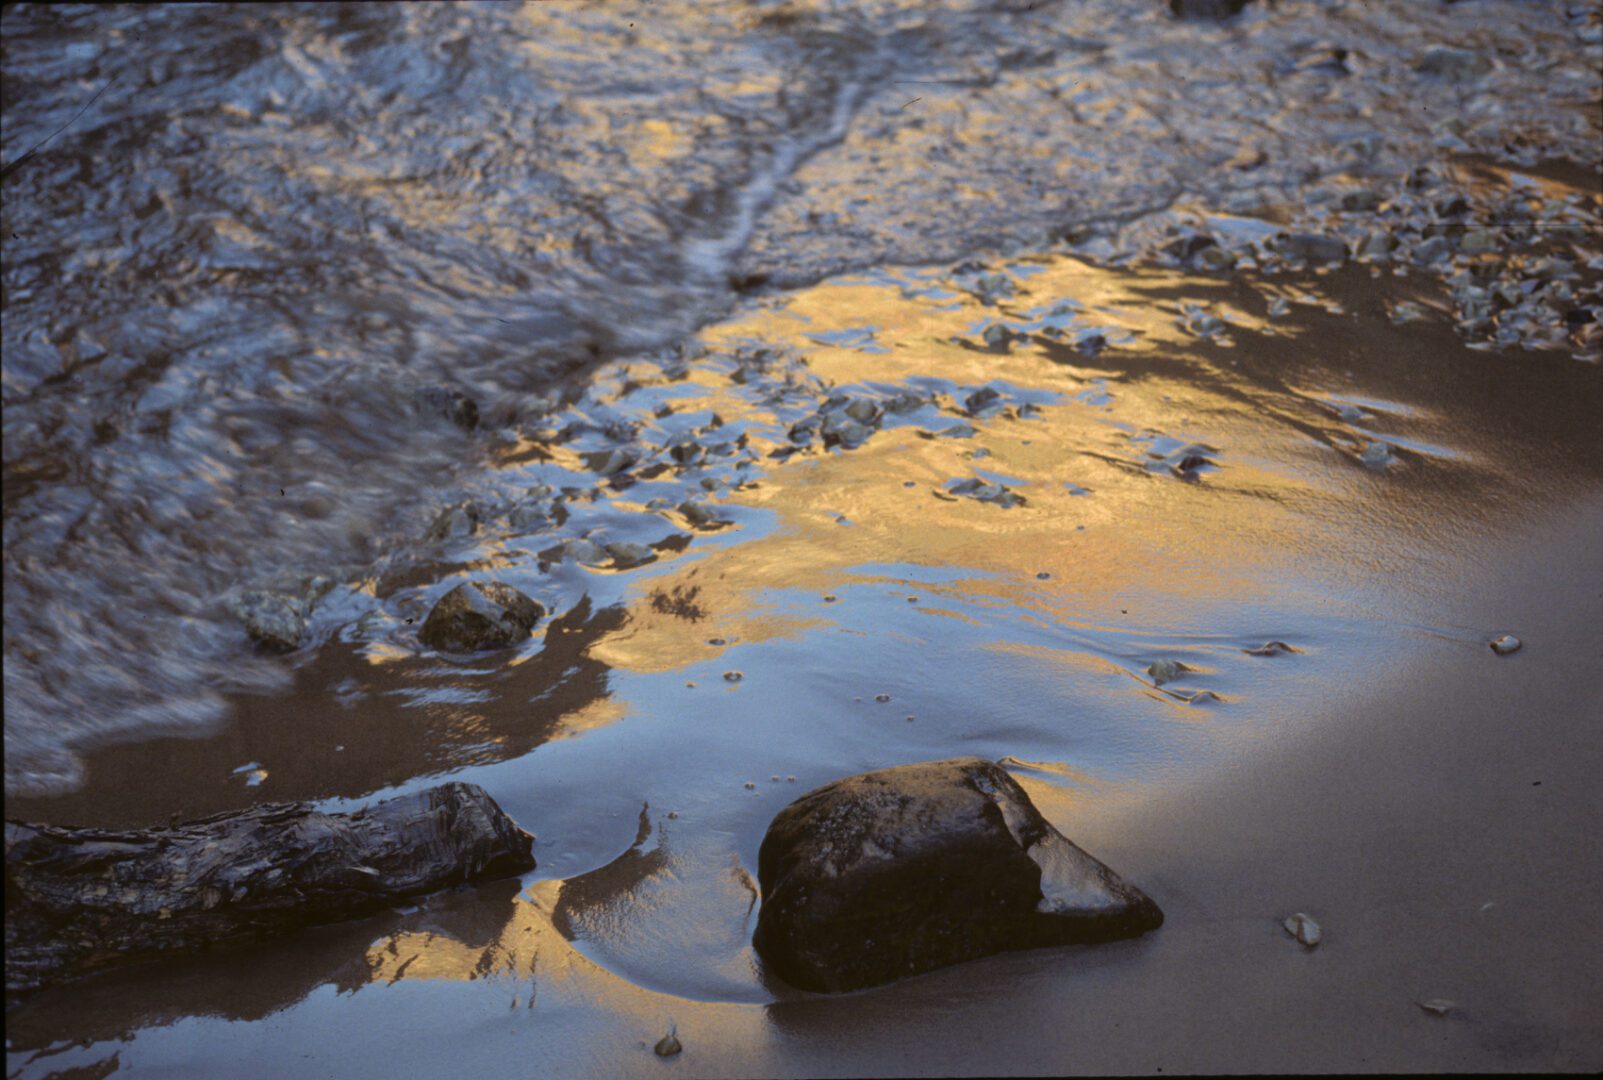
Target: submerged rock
point(1310, 247)
point(479, 615)
point(80, 899)
point(1452, 63)
point(453, 405)
point(1165, 670)
point(908, 869)
point(274, 620)
point(668, 1045)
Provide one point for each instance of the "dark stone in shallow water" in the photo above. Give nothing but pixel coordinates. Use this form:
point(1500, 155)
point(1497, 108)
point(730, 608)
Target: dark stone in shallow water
point(80, 899)
point(904, 870)
point(479, 615)
point(1310, 247)
point(454, 405)
point(1205, 9)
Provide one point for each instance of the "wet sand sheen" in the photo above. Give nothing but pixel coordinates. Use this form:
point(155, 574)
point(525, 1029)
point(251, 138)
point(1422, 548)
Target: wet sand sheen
point(1341, 780)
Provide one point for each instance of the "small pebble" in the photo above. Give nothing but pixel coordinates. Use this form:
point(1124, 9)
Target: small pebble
point(911, 718)
point(1437, 1006)
point(1503, 644)
point(882, 698)
point(673, 815)
point(1163, 671)
point(774, 778)
point(733, 676)
point(830, 599)
point(668, 1045)
point(1043, 575)
point(1303, 928)
point(1376, 454)
point(750, 786)
point(715, 641)
point(790, 779)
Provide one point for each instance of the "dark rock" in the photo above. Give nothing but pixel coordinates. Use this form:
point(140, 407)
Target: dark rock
point(904, 870)
point(1453, 64)
point(1205, 9)
point(274, 620)
point(454, 405)
point(1310, 247)
point(81, 899)
point(478, 615)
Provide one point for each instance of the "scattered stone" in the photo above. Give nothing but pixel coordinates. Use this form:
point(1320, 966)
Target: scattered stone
point(1200, 322)
point(1435, 249)
point(1377, 245)
point(609, 462)
point(1278, 307)
point(1376, 455)
point(1406, 311)
point(454, 522)
point(1479, 242)
point(1270, 648)
point(1437, 1006)
point(275, 620)
point(582, 550)
point(627, 554)
point(1163, 671)
point(79, 899)
point(668, 1045)
point(1310, 247)
point(480, 615)
point(1303, 928)
point(882, 698)
point(1202, 697)
point(983, 402)
point(987, 491)
point(1454, 64)
point(529, 515)
point(997, 336)
point(1503, 644)
point(904, 870)
point(1205, 9)
point(701, 515)
point(454, 405)
point(733, 676)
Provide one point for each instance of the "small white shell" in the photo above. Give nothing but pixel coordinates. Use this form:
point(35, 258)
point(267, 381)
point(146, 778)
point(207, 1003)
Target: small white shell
point(1303, 928)
point(1503, 644)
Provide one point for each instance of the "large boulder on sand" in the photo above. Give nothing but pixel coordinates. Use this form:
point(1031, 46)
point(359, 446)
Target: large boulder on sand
point(480, 615)
point(903, 870)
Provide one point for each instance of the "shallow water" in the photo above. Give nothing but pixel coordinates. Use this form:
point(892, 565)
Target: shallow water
point(238, 299)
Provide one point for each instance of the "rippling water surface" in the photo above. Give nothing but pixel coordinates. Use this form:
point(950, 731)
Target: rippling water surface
point(246, 284)
point(830, 374)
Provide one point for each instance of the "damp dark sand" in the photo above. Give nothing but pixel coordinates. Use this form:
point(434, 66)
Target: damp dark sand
point(1429, 802)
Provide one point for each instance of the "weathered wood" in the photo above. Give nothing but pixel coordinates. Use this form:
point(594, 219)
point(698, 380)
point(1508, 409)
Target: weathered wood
point(79, 899)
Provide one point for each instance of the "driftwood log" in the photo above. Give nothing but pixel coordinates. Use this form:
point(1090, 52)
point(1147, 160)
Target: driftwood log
point(80, 899)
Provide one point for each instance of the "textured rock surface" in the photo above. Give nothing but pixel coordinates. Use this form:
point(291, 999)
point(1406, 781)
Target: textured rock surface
point(79, 899)
point(903, 870)
point(480, 615)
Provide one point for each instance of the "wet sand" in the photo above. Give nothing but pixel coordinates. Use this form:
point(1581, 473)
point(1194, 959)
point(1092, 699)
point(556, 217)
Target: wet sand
point(1429, 802)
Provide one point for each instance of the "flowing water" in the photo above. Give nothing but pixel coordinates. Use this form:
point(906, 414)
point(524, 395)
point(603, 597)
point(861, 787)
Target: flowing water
point(827, 371)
